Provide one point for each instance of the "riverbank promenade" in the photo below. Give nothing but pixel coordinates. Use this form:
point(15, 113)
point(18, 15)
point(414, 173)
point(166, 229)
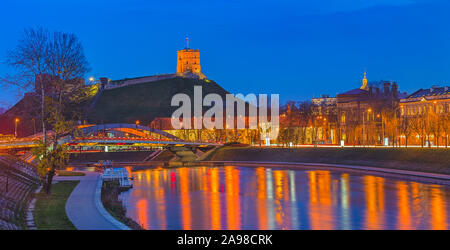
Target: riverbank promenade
point(84, 207)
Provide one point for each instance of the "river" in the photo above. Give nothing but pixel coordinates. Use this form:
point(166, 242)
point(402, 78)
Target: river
point(237, 197)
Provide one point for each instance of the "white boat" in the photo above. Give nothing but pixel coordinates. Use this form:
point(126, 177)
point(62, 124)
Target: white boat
point(120, 174)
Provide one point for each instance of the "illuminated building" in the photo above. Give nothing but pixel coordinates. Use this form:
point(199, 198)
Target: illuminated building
point(188, 62)
point(425, 116)
point(436, 98)
point(366, 115)
point(188, 66)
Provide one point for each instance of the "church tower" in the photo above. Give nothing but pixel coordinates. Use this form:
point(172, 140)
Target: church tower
point(188, 61)
point(364, 83)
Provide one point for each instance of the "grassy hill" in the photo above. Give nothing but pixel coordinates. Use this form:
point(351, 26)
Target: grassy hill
point(142, 102)
point(145, 101)
point(28, 110)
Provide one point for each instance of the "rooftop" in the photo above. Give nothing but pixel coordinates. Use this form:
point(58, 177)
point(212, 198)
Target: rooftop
point(433, 91)
point(357, 91)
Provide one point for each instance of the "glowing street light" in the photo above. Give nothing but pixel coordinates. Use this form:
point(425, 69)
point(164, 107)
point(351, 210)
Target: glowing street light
point(137, 123)
point(369, 110)
point(15, 126)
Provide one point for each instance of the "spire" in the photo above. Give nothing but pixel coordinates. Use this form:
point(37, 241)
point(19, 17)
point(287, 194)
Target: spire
point(364, 83)
point(187, 42)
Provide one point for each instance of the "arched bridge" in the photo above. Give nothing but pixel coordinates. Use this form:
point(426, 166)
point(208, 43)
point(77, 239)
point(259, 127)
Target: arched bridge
point(118, 134)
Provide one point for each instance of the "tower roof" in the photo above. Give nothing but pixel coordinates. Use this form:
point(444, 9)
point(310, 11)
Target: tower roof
point(364, 83)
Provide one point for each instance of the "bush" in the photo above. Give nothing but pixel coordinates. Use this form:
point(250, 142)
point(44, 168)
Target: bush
point(110, 199)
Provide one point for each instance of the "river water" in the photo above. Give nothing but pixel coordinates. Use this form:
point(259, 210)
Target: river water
point(236, 197)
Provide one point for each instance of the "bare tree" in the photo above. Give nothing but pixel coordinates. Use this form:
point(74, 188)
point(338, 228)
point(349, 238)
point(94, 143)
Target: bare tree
point(445, 127)
point(418, 126)
point(29, 61)
point(54, 64)
point(305, 119)
point(405, 128)
point(67, 65)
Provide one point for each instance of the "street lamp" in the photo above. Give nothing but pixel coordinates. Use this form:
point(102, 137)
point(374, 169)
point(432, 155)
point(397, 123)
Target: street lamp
point(15, 126)
point(137, 123)
point(364, 130)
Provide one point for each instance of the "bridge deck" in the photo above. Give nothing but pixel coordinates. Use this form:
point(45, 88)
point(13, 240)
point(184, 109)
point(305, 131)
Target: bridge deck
point(110, 141)
point(142, 136)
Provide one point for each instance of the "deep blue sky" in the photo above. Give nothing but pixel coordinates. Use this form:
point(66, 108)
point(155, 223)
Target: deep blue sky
point(298, 49)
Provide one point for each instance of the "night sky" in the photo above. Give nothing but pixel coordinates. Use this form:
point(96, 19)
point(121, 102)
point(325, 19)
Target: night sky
point(298, 49)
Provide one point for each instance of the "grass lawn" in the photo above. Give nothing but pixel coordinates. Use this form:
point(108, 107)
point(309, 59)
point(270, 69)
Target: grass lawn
point(69, 173)
point(50, 210)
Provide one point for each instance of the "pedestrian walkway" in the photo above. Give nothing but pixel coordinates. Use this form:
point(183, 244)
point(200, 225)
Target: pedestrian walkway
point(84, 208)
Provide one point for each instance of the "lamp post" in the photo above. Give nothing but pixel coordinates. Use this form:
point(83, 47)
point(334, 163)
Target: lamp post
point(364, 129)
point(436, 114)
point(327, 129)
point(315, 133)
point(369, 110)
point(15, 126)
point(396, 117)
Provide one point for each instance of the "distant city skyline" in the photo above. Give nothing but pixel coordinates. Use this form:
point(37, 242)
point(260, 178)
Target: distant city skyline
point(297, 49)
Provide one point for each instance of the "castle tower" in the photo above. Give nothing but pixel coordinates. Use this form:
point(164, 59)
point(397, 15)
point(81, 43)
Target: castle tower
point(188, 60)
point(364, 83)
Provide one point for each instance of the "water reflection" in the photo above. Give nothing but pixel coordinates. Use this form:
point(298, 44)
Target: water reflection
point(374, 193)
point(234, 197)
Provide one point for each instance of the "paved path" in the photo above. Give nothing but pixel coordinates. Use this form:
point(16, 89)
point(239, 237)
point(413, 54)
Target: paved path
point(84, 208)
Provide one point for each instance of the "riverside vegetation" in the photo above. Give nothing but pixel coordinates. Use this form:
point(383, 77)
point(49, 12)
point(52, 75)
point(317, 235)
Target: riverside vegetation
point(110, 199)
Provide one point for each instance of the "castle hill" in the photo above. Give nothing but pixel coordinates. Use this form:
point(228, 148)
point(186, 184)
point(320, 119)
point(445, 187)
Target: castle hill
point(107, 127)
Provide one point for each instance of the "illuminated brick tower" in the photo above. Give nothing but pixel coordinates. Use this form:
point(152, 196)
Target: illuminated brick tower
point(188, 61)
